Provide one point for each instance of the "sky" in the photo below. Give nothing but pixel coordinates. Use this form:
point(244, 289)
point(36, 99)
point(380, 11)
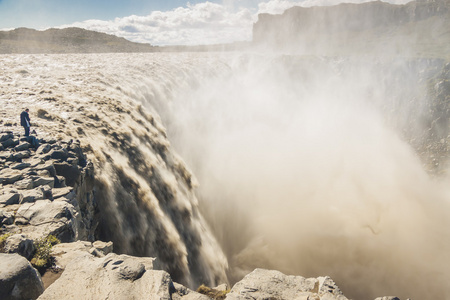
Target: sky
point(158, 22)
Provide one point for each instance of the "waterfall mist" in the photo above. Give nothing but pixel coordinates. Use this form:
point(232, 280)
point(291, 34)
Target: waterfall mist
point(313, 167)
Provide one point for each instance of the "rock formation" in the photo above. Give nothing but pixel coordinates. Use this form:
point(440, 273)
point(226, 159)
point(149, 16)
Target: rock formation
point(46, 190)
point(416, 28)
point(270, 284)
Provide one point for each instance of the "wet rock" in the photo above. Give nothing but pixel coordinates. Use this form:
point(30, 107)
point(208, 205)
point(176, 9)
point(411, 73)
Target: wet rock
point(18, 279)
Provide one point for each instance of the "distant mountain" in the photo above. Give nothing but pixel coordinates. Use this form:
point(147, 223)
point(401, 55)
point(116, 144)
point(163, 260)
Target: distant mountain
point(68, 40)
point(416, 28)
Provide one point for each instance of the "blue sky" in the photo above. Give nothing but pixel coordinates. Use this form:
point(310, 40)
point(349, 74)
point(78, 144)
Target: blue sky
point(49, 13)
point(158, 22)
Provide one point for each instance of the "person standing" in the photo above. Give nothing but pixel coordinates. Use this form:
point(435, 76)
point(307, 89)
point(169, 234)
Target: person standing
point(25, 121)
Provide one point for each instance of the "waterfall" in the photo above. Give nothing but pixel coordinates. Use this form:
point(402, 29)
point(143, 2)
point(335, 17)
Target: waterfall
point(220, 163)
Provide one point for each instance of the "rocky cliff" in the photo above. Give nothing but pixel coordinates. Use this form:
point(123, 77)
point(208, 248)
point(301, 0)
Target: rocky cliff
point(416, 28)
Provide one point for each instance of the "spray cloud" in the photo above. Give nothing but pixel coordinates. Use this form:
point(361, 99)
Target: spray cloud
point(305, 166)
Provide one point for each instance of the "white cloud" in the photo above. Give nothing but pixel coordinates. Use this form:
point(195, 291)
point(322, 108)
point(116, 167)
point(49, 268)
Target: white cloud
point(202, 23)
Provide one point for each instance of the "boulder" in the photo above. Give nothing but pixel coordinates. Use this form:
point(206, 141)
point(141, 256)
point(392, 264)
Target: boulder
point(24, 184)
point(10, 142)
point(104, 247)
point(9, 176)
point(34, 161)
point(22, 146)
point(48, 217)
point(10, 197)
point(20, 166)
point(43, 149)
point(20, 244)
point(18, 279)
point(6, 136)
point(47, 191)
point(6, 155)
point(60, 181)
point(32, 195)
point(60, 154)
point(114, 277)
point(6, 218)
point(48, 166)
point(269, 284)
point(62, 192)
point(38, 181)
point(71, 173)
point(21, 155)
point(64, 253)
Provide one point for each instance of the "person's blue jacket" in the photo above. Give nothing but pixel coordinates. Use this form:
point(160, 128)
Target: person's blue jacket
point(25, 119)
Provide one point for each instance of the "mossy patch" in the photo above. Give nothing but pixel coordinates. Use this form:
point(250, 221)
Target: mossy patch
point(42, 258)
point(212, 293)
point(3, 238)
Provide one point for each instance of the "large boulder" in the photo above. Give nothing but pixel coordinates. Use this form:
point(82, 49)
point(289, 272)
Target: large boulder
point(48, 217)
point(9, 176)
point(18, 279)
point(269, 284)
point(114, 277)
point(20, 244)
point(9, 196)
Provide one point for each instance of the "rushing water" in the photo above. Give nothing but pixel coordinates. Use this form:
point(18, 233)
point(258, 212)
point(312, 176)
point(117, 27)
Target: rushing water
point(307, 165)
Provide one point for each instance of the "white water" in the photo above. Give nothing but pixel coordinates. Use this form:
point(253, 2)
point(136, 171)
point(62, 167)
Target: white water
point(302, 163)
